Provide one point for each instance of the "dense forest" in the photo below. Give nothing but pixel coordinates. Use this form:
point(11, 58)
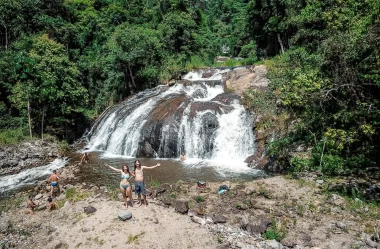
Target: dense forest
point(64, 61)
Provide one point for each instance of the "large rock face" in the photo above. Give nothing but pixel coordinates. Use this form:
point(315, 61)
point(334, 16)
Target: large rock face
point(241, 79)
point(162, 122)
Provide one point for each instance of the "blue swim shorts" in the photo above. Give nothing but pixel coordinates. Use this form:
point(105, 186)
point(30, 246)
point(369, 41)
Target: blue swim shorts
point(140, 188)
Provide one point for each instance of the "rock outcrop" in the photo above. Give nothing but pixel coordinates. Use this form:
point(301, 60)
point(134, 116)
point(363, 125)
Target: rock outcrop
point(14, 158)
point(240, 79)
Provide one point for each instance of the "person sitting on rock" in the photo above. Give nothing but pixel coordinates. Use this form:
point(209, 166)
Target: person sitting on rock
point(30, 205)
point(139, 182)
point(182, 157)
point(53, 180)
point(52, 205)
point(85, 158)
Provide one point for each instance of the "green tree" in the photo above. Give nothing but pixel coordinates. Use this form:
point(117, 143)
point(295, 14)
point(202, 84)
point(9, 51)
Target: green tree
point(48, 84)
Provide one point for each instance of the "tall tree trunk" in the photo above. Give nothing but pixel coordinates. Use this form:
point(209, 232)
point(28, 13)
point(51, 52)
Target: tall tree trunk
point(29, 119)
point(6, 37)
point(280, 41)
point(42, 123)
point(133, 80)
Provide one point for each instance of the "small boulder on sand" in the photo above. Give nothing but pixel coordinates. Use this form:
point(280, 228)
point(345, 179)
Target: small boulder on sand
point(125, 215)
point(182, 206)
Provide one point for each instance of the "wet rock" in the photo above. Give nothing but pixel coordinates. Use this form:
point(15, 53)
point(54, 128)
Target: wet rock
point(37, 197)
point(181, 206)
point(89, 210)
point(227, 98)
point(208, 74)
point(125, 215)
point(199, 94)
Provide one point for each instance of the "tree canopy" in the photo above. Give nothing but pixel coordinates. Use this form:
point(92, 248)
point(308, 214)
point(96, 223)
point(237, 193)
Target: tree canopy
point(65, 60)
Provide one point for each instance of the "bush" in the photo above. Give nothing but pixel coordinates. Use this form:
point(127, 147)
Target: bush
point(13, 136)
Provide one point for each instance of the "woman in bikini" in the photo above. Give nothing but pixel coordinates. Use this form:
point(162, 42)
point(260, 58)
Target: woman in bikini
point(125, 186)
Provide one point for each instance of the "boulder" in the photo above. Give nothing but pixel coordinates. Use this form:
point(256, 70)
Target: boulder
point(181, 206)
point(89, 210)
point(239, 80)
point(166, 186)
point(40, 207)
point(258, 227)
point(218, 218)
point(198, 220)
point(125, 215)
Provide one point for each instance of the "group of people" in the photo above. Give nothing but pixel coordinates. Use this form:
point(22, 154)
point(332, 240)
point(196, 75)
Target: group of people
point(53, 182)
point(125, 183)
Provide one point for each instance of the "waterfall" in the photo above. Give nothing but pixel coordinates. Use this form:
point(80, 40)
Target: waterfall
point(195, 116)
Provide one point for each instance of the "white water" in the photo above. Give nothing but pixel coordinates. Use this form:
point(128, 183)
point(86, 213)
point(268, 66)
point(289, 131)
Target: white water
point(226, 145)
point(29, 176)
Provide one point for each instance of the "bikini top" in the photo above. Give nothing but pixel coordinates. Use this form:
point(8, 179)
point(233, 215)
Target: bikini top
point(127, 176)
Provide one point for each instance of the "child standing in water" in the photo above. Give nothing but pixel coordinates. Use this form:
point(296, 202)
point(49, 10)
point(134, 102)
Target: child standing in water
point(139, 182)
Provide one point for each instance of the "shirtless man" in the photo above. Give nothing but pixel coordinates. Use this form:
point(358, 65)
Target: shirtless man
point(30, 205)
point(53, 180)
point(139, 180)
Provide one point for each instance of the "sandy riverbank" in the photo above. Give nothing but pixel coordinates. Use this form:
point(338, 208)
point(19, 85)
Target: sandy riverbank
point(298, 213)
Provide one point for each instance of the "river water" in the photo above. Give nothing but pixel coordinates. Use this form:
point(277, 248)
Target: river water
point(170, 171)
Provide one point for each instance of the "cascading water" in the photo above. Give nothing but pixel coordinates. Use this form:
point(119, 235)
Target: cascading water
point(196, 117)
point(30, 176)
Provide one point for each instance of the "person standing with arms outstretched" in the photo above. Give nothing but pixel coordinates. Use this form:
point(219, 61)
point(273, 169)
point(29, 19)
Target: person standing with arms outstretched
point(139, 181)
point(125, 185)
